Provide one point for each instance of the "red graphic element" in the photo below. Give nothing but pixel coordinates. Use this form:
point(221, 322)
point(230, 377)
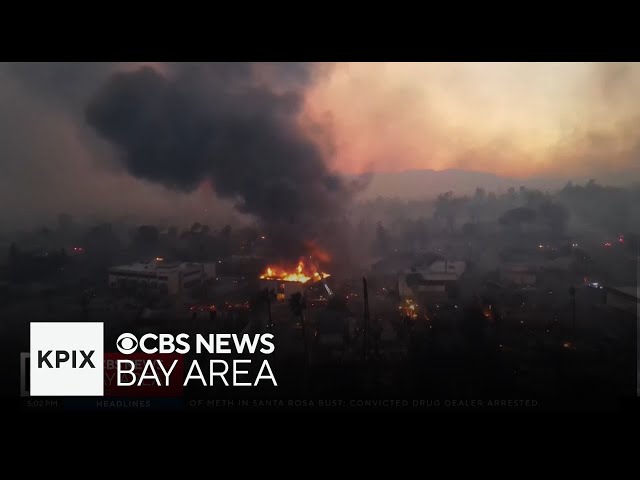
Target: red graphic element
point(149, 387)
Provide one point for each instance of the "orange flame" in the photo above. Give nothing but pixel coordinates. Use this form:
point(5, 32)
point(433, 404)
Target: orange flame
point(409, 309)
point(300, 275)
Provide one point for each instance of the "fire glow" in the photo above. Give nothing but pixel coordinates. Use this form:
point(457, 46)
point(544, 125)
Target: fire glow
point(299, 274)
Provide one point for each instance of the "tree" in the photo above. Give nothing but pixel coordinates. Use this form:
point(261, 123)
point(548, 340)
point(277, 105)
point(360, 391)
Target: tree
point(477, 203)
point(415, 233)
point(147, 236)
point(480, 194)
point(554, 215)
point(448, 207)
point(443, 208)
point(516, 217)
point(382, 242)
point(534, 198)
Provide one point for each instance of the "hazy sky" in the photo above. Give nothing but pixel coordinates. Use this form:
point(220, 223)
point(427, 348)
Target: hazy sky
point(540, 119)
point(507, 118)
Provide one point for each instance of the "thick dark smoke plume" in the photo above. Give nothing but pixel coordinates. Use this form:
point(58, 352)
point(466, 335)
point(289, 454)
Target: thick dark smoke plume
point(235, 125)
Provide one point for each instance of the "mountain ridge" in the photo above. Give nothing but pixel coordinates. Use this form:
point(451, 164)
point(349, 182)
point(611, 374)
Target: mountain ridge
point(423, 183)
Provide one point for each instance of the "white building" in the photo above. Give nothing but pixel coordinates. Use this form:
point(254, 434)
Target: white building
point(170, 278)
point(456, 268)
point(433, 280)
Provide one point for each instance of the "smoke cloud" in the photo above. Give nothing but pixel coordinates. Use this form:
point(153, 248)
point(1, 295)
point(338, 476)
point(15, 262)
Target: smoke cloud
point(110, 139)
point(235, 125)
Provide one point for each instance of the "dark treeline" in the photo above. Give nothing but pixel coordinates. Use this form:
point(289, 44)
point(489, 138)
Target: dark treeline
point(371, 229)
point(56, 252)
point(590, 208)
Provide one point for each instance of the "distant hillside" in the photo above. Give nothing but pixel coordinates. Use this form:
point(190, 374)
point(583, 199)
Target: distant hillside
point(427, 183)
point(414, 184)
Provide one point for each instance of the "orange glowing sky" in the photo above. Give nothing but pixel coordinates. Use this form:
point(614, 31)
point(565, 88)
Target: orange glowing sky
point(516, 119)
point(544, 122)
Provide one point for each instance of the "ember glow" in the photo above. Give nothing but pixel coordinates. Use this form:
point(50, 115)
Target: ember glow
point(316, 252)
point(301, 273)
point(409, 309)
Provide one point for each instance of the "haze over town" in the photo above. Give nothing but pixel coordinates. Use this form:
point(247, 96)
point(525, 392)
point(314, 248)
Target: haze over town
point(414, 130)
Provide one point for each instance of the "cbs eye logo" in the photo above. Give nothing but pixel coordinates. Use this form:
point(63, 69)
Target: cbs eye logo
point(127, 343)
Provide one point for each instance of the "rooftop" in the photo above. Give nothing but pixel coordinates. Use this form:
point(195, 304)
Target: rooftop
point(517, 267)
point(153, 266)
point(628, 291)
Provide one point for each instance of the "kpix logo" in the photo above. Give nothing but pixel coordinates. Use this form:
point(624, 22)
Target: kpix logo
point(62, 356)
point(69, 359)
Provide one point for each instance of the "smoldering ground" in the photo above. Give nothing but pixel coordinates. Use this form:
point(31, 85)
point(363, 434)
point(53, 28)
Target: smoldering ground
point(236, 125)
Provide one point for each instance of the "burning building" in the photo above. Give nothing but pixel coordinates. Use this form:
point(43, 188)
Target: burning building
point(285, 282)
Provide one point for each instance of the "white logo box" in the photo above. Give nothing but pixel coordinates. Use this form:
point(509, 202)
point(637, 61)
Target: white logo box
point(67, 380)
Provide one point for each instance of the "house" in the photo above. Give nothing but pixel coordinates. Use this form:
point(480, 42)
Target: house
point(436, 282)
point(169, 278)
